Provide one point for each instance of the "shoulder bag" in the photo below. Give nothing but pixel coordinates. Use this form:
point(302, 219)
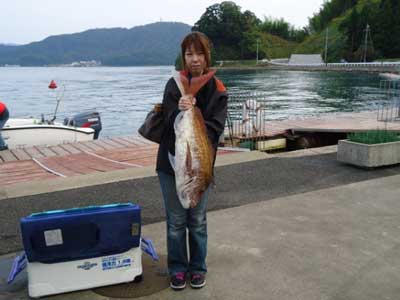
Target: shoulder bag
point(153, 126)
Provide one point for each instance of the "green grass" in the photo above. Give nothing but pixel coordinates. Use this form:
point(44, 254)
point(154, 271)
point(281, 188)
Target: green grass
point(387, 59)
point(276, 47)
point(374, 137)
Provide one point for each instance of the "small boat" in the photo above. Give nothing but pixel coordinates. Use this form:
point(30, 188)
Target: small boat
point(390, 76)
point(21, 133)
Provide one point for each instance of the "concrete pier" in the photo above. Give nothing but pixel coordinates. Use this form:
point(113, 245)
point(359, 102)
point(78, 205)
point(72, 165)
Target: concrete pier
point(296, 225)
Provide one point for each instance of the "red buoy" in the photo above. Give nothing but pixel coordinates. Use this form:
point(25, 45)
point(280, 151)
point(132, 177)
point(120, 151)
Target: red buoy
point(52, 85)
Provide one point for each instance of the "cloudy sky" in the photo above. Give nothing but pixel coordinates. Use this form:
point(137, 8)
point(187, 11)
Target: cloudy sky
point(24, 21)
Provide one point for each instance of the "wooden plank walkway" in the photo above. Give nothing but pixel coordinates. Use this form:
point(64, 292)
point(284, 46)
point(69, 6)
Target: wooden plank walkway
point(340, 122)
point(22, 171)
point(104, 155)
point(101, 145)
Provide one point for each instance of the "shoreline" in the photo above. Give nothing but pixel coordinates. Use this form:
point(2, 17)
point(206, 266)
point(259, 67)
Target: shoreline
point(351, 69)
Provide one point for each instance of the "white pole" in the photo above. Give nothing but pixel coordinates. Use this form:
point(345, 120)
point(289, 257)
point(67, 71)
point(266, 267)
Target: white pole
point(326, 46)
point(366, 43)
point(257, 52)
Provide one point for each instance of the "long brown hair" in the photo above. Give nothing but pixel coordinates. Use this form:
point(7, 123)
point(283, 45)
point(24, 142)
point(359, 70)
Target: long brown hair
point(201, 43)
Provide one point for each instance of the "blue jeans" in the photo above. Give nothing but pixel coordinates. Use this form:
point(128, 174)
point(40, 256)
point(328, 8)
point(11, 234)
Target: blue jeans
point(178, 220)
point(3, 121)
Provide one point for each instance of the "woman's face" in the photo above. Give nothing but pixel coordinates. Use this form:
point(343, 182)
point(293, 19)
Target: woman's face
point(195, 61)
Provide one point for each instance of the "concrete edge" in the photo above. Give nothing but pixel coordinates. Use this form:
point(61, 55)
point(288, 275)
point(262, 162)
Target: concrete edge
point(61, 184)
point(308, 152)
point(74, 182)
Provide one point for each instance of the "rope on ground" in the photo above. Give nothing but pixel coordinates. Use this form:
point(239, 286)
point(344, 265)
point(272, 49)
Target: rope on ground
point(47, 168)
point(114, 161)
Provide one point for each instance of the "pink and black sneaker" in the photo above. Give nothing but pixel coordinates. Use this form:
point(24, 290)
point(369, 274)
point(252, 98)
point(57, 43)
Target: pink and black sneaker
point(178, 281)
point(197, 281)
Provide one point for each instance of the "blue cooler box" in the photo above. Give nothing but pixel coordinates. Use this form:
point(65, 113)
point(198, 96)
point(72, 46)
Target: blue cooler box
point(81, 248)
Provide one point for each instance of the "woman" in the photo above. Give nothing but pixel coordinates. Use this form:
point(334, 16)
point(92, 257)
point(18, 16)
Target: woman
point(212, 102)
point(4, 115)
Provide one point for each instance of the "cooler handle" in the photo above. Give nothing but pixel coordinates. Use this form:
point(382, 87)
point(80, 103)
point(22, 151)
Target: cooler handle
point(18, 265)
point(147, 247)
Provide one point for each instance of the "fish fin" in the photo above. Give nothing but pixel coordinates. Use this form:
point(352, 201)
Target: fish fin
point(184, 81)
point(183, 200)
point(177, 77)
point(185, 204)
point(220, 86)
point(172, 161)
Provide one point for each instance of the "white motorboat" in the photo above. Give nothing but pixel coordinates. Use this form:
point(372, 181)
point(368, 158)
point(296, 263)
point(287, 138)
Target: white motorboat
point(19, 133)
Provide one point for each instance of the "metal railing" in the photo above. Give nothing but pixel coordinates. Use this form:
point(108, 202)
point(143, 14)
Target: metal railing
point(389, 110)
point(340, 65)
point(246, 121)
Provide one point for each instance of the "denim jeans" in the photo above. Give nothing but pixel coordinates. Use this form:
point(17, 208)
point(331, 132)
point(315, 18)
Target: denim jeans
point(179, 221)
point(3, 121)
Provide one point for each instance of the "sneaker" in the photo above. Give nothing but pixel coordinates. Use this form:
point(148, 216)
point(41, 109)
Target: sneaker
point(197, 281)
point(178, 281)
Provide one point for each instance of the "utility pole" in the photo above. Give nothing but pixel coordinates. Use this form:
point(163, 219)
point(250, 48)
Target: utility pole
point(257, 52)
point(326, 46)
point(366, 43)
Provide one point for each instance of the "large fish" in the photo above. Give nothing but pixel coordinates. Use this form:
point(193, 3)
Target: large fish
point(194, 154)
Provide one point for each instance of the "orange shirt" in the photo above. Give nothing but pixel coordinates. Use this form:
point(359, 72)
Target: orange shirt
point(2, 107)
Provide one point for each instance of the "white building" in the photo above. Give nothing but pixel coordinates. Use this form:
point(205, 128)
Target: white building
point(305, 59)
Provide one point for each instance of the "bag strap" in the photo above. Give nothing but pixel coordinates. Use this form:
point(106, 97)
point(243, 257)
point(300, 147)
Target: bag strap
point(177, 77)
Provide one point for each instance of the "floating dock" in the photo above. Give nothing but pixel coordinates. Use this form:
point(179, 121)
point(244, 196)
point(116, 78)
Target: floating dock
point(334, 124)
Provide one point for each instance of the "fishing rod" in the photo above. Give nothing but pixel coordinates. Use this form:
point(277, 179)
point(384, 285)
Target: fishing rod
point(59, 97)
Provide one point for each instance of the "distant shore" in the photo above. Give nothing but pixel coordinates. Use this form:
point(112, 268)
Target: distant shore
point(368, 68)
point(377, 68)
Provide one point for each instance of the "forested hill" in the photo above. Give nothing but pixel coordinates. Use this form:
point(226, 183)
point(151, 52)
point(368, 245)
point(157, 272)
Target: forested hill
point(357, 30)
point(152, 44)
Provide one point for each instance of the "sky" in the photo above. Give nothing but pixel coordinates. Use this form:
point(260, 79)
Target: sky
point(25, 21)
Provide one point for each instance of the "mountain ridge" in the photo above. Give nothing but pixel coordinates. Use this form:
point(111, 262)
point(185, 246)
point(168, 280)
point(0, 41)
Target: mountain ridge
point(151, 44)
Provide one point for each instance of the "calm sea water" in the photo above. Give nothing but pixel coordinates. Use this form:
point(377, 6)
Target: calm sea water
point(123, 96)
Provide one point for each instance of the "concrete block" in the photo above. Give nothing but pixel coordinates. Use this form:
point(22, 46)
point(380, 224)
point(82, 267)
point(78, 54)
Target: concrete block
point(365, 155)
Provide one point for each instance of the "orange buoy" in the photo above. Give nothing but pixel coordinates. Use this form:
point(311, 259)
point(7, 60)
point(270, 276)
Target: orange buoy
point(52, 85)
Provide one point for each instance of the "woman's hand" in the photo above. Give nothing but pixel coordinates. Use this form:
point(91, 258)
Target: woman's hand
point(186, 102)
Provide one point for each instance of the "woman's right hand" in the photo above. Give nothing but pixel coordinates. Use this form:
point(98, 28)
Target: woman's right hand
point(186, 102)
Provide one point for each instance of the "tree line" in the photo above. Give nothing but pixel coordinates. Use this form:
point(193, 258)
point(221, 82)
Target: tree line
point(237, 35)
point(374, 29)
point(371, 28)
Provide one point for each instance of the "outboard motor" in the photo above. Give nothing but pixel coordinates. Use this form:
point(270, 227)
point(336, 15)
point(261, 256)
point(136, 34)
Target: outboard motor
point(86, 119)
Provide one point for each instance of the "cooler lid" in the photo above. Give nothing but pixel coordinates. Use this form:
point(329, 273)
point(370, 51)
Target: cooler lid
point(78, 233)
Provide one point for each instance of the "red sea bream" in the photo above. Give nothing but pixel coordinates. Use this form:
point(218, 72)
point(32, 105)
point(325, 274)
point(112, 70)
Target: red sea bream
point(194, 154)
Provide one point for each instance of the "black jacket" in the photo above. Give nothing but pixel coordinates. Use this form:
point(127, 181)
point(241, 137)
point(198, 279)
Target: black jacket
point(211, 100)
